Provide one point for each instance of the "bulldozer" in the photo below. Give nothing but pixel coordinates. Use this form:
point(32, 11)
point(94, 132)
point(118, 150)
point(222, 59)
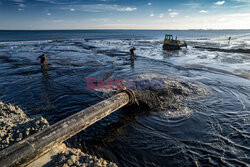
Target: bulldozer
point(172, 44)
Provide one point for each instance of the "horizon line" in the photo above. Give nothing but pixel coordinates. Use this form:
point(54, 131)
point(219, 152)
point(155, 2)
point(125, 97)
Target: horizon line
point(115, 29)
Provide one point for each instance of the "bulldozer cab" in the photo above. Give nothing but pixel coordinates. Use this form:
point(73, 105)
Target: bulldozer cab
point(168, 37)
point(170, 40)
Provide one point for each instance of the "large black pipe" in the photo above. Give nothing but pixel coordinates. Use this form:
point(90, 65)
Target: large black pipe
point(33, 147)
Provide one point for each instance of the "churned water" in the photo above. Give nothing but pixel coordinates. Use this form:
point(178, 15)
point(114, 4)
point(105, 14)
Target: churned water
point(201, 117)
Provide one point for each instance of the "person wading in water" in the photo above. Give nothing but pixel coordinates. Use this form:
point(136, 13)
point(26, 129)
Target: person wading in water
point(132, 54)
point(43, 62)
point(229, 39)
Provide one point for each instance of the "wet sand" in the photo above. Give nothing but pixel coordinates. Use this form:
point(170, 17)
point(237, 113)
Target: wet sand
point(16, 126)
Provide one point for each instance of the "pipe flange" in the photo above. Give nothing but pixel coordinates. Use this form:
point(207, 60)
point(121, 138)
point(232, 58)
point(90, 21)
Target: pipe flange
point(131, 94)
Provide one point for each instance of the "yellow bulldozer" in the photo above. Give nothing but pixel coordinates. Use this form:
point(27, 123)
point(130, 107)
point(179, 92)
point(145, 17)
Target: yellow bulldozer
point(172, 44)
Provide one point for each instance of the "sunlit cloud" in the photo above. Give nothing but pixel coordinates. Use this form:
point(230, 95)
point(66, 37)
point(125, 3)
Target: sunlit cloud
point(101, 8)
point(72, 9)
point(173, 14)
point(49, 14)
point(127, 9)
point(203, 11)
point(149, 4)
point(170, 10)
point(220, 3)
point(152, 15)
point(161, 15)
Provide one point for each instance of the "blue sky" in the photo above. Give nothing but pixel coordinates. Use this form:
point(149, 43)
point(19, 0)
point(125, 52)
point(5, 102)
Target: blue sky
point(124, 14)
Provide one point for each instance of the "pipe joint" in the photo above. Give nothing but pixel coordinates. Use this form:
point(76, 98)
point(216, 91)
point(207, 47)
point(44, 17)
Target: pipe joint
point(131, 94)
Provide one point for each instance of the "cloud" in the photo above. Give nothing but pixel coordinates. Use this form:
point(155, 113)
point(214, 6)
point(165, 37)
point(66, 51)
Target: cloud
point(231, 21)
point(149, 4)
point(101, 8)
point(192, 5)
point(161, 15)
point(170, 10)
point(49, 1)
point(106, 0)
point(72, 9)
point(20, 9)
point(56, 2)
point(243, 0)
point(173, 14)
point(49, 14)
point(219, 2)
point(104, 20)
point(152, 15)
point(57, 21)
point(114, 26)
point(238, 15)
point(203, 11)
point(127, 9)
point(21, 5)
point(18, 1)
point(239, 6)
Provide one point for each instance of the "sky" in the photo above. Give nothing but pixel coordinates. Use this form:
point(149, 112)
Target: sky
point(124, 14)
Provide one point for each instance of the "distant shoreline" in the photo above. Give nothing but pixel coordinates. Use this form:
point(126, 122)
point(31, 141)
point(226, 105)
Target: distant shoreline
point(45, 35)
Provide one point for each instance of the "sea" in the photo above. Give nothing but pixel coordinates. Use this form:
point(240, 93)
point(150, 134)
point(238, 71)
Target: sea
point(210, 129)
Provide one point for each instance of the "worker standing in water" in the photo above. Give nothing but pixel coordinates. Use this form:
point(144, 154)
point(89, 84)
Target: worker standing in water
point(132, 54)
point(43, 62)
point(229, 39)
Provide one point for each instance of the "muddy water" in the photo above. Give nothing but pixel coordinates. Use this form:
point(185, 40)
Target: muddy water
point(201, 117)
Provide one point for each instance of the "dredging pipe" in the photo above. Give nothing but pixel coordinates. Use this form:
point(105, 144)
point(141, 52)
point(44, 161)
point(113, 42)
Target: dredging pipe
point(33, 147)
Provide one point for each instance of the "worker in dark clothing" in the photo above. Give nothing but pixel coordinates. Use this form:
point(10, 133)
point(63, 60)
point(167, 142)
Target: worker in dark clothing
point(43, 62)
point(229, 39)
point(132, 54)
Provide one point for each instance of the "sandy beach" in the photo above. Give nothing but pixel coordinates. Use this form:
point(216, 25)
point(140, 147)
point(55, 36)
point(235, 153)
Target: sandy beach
point(16, 126)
